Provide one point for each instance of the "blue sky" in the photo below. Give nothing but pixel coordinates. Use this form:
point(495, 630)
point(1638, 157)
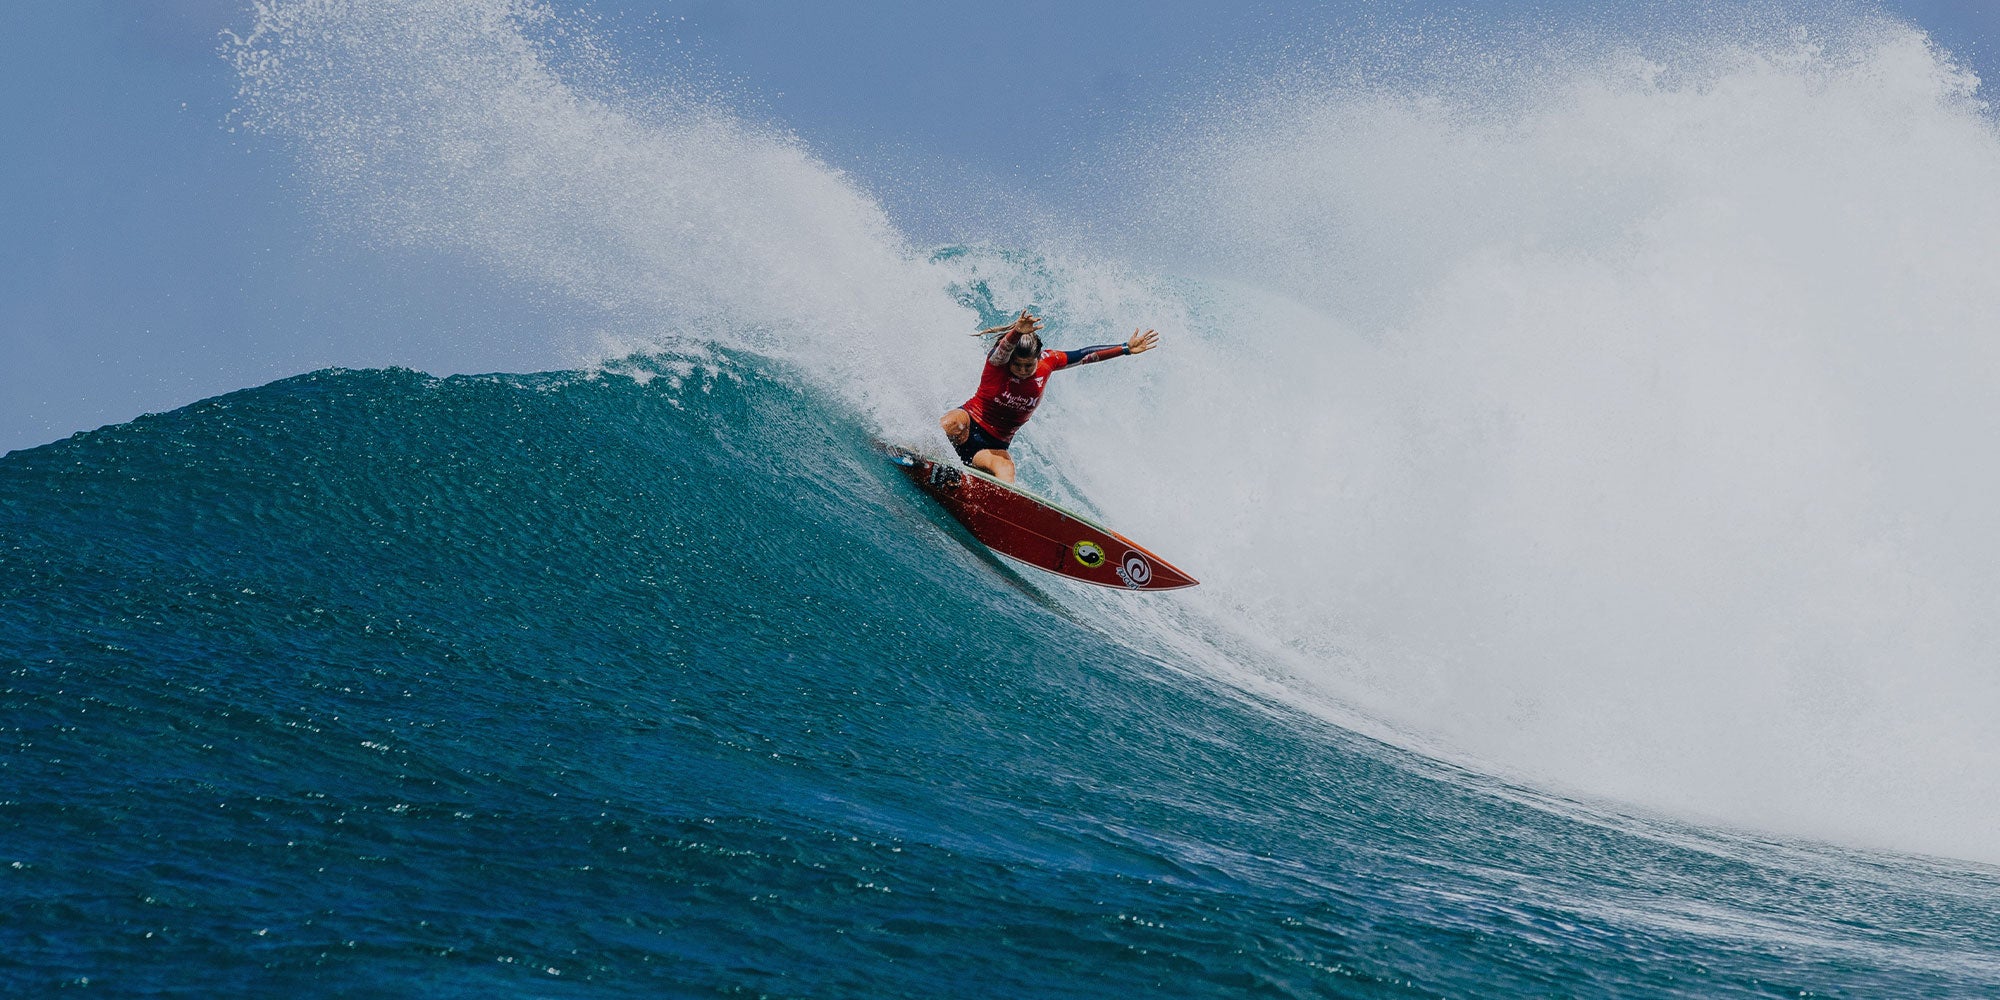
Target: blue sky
point(153, 257)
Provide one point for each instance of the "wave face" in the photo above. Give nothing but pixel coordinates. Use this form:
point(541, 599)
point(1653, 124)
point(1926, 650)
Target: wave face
point(497, 684)
point(1605, 411)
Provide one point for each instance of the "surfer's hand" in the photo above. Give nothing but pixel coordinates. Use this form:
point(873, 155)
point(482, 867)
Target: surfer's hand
point(1027, 322)
point(1142, 342)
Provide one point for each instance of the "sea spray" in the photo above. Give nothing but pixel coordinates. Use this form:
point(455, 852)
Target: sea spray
point(500, 132)
point(1632, 416)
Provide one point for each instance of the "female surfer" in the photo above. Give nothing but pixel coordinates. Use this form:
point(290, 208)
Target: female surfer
point(1010, 387)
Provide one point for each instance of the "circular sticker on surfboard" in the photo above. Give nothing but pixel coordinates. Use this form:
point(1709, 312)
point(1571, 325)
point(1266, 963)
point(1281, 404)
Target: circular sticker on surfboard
point(1089, 553)
point(1135, 570)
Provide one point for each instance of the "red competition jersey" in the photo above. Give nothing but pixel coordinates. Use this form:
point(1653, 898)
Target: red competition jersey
point(1003, 402)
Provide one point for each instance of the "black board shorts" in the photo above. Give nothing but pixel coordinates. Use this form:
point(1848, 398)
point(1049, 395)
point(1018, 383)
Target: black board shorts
point(976, 441)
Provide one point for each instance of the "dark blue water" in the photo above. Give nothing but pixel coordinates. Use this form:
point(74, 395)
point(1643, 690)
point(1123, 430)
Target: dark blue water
point(369, 683)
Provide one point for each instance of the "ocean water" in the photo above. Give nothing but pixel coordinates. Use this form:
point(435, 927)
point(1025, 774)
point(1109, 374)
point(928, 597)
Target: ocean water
point(1580, 438)
point(372, 682)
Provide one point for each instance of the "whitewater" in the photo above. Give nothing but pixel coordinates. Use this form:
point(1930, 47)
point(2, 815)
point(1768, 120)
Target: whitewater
point(1580, 442)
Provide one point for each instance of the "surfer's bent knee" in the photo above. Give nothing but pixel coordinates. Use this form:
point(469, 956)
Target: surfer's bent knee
point(997, 464)
point(974, 440)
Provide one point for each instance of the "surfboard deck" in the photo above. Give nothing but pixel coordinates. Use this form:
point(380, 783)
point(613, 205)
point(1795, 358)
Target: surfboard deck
point(1028, 529)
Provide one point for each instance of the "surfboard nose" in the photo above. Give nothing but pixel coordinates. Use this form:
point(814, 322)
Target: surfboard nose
point(1142, 570)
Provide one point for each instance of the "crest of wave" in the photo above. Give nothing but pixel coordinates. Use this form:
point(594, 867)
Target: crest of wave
point(497, 132)
point(1622, 417)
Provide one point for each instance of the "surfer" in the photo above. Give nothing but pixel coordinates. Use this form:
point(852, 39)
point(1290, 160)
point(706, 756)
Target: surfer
point(1010, 387)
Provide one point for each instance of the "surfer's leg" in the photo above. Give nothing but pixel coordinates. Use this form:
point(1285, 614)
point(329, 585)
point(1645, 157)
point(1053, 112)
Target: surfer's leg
point(997, 464)
point(976, 446)
point(959, 428)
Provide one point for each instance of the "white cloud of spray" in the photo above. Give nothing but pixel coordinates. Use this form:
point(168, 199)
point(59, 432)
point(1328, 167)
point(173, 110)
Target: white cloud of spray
point(1629, 424)
point(496, 131)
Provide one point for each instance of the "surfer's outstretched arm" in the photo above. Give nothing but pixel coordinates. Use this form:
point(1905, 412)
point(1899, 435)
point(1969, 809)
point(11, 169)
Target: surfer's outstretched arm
point(1140, 343)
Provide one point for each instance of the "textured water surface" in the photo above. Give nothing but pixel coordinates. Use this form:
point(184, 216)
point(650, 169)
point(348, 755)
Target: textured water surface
point(367, 682)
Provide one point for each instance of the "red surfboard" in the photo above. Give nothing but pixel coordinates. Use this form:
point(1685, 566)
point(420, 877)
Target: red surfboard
point(1029, 529)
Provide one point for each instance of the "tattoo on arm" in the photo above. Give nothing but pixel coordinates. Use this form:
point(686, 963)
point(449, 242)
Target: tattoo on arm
point(1003, 348)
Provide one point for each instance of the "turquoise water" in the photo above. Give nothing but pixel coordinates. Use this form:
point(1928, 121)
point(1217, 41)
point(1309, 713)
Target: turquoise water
point(367, 682)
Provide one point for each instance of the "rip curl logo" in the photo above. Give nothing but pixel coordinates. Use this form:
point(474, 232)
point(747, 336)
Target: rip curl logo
point(1089, 553)
point(1135, 571)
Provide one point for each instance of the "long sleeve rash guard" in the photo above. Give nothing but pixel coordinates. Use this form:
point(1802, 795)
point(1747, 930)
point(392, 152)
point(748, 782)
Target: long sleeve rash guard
point(1003, 402)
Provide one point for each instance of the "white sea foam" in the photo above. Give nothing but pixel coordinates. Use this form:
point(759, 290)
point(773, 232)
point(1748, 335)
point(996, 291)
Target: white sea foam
point(1625, 423)
point(1622, 419)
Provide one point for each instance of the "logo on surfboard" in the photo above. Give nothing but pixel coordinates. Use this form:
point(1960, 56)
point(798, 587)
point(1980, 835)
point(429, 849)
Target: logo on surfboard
point(1089, 553)
point(1135, 571)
